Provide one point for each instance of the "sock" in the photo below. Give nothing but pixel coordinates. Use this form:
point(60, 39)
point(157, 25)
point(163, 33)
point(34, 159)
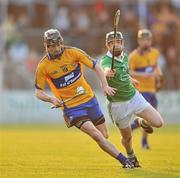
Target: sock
point(121, 158)
point(131, 154)
point(134, 125)
point(144, 141)
point(143, 124)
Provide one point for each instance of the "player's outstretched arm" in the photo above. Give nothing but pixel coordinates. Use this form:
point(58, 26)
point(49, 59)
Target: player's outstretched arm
point(106, 88)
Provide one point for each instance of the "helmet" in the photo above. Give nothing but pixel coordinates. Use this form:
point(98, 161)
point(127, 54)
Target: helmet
point(144, 33)
point(52, 36)
point(110, 36)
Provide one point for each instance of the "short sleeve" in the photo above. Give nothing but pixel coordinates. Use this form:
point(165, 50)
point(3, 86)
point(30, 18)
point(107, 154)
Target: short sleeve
point(104, 64)
point(40, 78)
point(84, 58)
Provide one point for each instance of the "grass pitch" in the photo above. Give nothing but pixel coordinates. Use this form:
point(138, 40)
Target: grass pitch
point(57, 152)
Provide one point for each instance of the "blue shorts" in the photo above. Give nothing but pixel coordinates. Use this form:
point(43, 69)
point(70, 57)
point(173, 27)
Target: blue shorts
point(150, 98)
point(89, 111)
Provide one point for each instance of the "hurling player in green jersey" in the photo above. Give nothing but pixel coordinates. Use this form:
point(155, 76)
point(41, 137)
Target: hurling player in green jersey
point(127, 101)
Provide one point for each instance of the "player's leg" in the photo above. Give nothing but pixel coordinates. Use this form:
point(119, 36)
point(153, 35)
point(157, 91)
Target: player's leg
point(144, 140)
point(126, 133)
point(150, 98)
point(78, 117)
point(89, 128)
point(152, 117)
point(135, 124)
point(103, 129)
point(126, 139)
point(121, 114)
point(98, 119)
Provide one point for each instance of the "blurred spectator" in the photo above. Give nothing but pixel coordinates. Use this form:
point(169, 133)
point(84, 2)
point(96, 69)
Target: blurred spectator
point(2, 41)
point(174, 66)
point(23, 20)
point(81, 21)
point(32, 61)
point(130, 26)
point(176, 4)
point(18, 52)
point(101, 14)
point(166, 23)
point(62, 20)
point(80, 28)
point(85, 23)
point(9, 30)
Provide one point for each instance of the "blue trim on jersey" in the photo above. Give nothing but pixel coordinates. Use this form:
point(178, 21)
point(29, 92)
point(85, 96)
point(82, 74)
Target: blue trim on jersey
point(145, 69)
point(94, 64)
point(90, 109)
point(68, 79)
point(150, 98)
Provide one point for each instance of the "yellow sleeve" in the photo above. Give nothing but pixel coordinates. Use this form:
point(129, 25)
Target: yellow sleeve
point(40, 78)
point(85, 59)
point(131, 61)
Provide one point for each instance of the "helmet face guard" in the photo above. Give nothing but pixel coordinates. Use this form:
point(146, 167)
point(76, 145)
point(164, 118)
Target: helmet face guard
point(52, 38)
point(144, 33)
point(144, 39)
point(110, 36)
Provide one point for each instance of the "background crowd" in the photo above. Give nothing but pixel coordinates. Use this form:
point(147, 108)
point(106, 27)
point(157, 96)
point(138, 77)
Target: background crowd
point(84, 24)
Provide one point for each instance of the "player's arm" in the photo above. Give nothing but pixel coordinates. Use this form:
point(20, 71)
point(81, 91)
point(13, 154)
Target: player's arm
point(40, 81)
point(108, 72)
point(159, 79)
point(134, 81)
point(42, 95)
point(90, 63)
point(159, 71)
point(100, 73)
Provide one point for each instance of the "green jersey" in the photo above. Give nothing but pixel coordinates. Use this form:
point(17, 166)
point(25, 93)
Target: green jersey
point(121, 80)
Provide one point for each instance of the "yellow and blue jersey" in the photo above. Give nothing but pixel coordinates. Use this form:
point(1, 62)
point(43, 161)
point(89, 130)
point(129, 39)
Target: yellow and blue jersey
point(65, 74)
point(146, 62)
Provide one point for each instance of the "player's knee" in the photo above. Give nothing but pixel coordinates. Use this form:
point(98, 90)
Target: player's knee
point(160, 123)
point(105, 134)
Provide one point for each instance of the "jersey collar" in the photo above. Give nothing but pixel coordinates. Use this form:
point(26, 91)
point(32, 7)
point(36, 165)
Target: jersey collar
point(119, 58)
point(141, 52)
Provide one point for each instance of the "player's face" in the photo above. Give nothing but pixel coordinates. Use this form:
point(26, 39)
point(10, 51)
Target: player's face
point(119, 45)
point(145, 43)
point(54, 49)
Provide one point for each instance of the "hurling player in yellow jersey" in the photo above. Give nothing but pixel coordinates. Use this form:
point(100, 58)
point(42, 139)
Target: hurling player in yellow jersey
point(62, 68)
point(143, 63)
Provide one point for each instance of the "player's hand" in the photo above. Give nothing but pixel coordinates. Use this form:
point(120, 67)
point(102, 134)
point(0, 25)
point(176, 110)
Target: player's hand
point(159, 82)
point(109, 90)
point(109, 73)
point(56, 102)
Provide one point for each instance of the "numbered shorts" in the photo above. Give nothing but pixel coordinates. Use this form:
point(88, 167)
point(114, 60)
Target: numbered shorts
point(122, 112)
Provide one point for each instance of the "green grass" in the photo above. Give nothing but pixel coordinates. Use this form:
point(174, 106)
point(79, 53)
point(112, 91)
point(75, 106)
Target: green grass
point(57, 152)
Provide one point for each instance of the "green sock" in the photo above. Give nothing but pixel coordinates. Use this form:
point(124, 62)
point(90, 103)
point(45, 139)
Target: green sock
point(131, 154)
